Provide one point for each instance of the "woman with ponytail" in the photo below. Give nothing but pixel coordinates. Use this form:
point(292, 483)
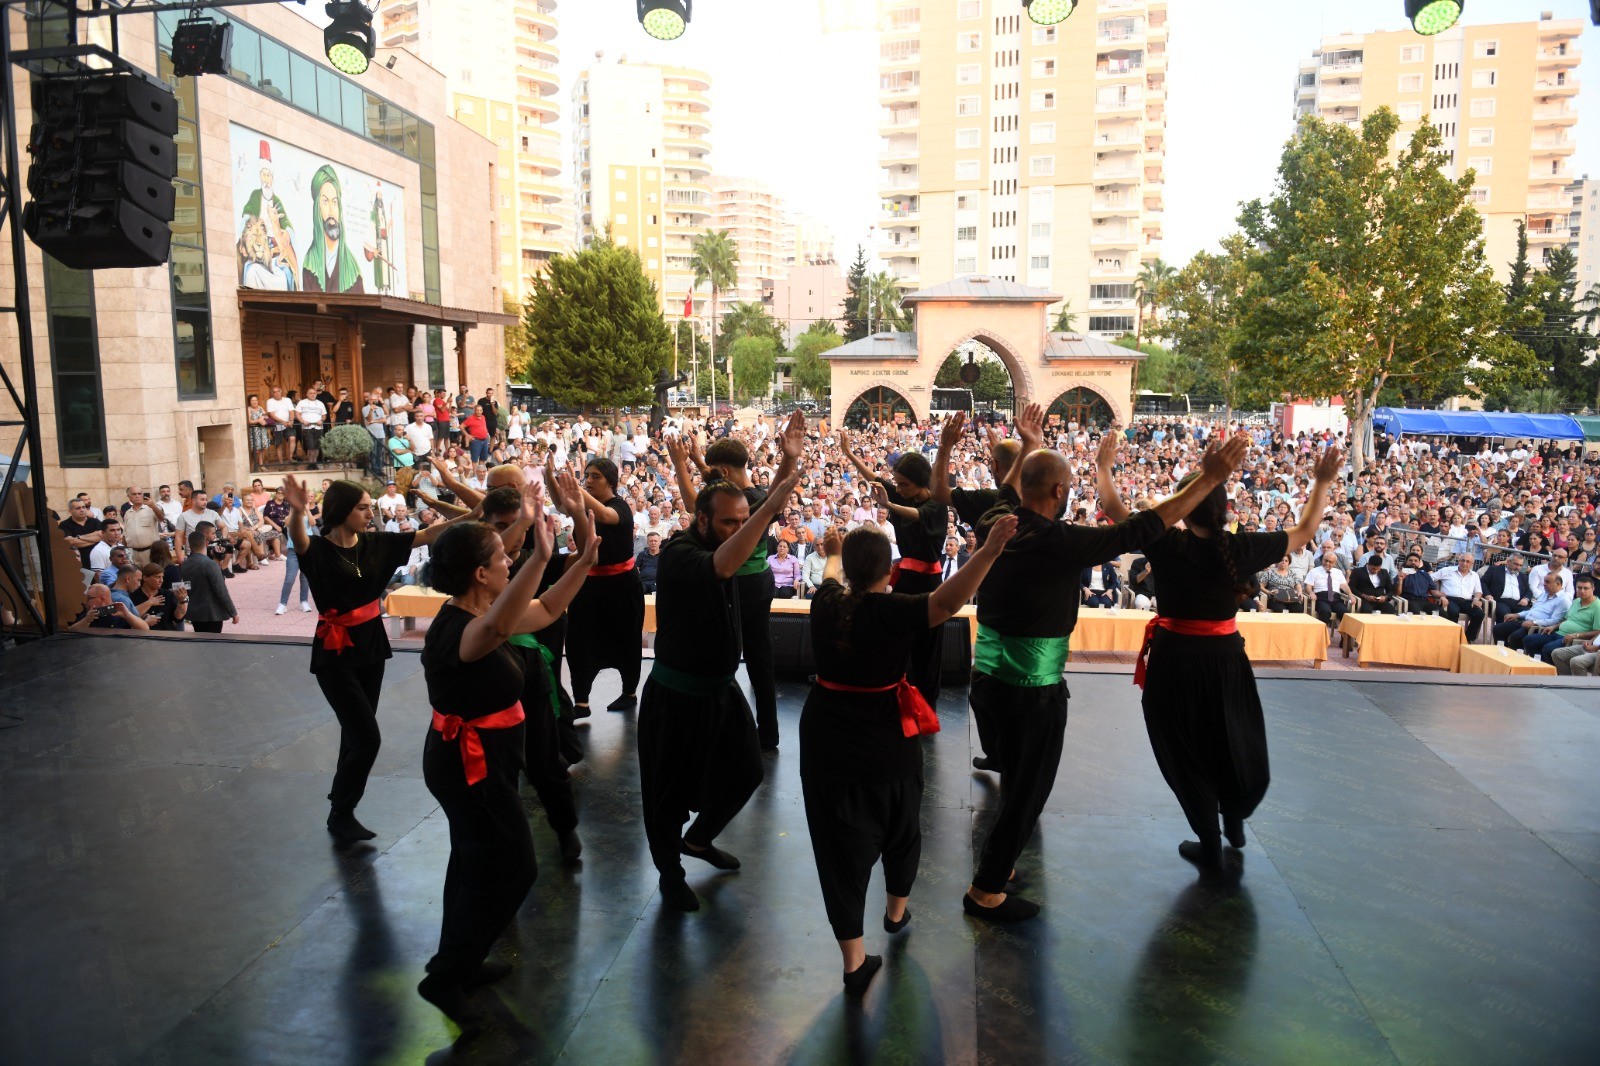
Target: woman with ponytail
point(860, 760)
point(1201, 708)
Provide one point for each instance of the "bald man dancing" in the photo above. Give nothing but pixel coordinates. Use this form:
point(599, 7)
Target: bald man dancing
point(1027, 609)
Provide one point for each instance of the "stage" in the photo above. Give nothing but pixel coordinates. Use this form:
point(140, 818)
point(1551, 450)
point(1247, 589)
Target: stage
point(1421, 885)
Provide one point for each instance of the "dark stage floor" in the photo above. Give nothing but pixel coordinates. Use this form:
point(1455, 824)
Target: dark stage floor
point(1422, 885)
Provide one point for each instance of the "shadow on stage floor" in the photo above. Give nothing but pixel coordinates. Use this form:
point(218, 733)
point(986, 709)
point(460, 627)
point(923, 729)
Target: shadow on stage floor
point(1422, 884)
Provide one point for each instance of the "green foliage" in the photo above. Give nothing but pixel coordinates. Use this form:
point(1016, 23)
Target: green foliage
point(754, 359)
point(1207, 301)
point(748, 319)
point(880, 308)
point(1542, 401)
point(1547, 320)
point(855, 323)
point(347, 444)
point(692, 344)
point(703, 386)
point(813, 374)
point(994, 380)
point(1066, 318)
point(1363, 272)
point(1152, 289)
point(518, 356)
point(715, 259)
point(595, 332)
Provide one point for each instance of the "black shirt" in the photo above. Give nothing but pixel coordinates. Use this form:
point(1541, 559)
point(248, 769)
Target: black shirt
point(850, 736)
point(697, 627)
point(616, 541)
point(343, 412)
point(472, 690)
point(72, 528)
point(972, 504)
point(343, 579)
point(922, 537)
point(1192, 580)
point(1032, 590)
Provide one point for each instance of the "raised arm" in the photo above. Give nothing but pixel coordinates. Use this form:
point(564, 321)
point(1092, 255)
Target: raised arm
point(298, 497)
point(1326, 470)
point(547, 609)
point(1030, 430)
point(950, 596)
point(949, 435)
point(1215, 467)
point(469, 496)
point(880, 495)
point(855, 460)
point(833, 544)
point(1104, 459)
point(791, 445)
point(678, 452)
point(432, 533)
point(734, 551)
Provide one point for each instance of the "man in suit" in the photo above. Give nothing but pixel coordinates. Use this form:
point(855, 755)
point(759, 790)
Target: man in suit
point(954, 558)
point(1505, 585)
point(210, 604)
point(1374, 588)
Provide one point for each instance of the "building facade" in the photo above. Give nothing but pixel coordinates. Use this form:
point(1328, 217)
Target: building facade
point(807, 293)
point(1503, 97)
point(753, 217)
point(1583, 232)
point(144, 374)
point(806, 239)
point(1025, 152)
point(500, 61)
point(642, 167)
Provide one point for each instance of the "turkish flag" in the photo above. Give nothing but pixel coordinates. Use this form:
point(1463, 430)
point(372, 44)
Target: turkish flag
point(688, 306)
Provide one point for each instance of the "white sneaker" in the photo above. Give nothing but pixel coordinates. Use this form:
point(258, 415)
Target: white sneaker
point(283, 608)
point(304, 606)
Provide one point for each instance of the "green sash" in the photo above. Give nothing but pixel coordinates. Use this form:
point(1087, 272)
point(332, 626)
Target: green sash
point(757, 561)
point(1026, 662)
point(688, 684)
point(548, 657)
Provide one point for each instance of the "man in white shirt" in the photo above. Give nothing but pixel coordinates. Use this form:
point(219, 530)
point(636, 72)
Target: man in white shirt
point(1556, 565)
point(411, 572)
point(420, 436)
point(399, 406)
point(1463, 594)
point(390, 501)
point(313, 416)
point(280, 414)
point(1326, 583)
point(169, 507)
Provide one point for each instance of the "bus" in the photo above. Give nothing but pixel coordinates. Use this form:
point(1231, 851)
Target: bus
point(1146, 402)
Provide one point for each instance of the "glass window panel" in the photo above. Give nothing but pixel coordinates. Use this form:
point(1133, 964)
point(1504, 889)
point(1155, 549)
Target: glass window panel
point(188, 276)
point(330, 99)
point(246, 55)
point(196, 375)
point(303, 75)
point(430, 225)
point(80, 419)
point(374, 117)
point(425, 142)
point(408, 131)
point(73, 338)
point(274, 69)
point(355, 107)
point(435, 357)
point(428, 180)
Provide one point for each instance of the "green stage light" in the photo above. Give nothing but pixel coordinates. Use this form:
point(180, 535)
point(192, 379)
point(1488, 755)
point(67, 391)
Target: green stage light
point(665, 20)
point(1429, 17)
point(348, 40)
point(1049, 12)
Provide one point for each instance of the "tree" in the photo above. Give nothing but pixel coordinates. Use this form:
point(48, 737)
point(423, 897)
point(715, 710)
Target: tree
point(1066, 318)
point(855, 323)
point(751, 361)
point(518, 357)
point(1150, 289)
point(1206, 301)
point(715, 259)
point(749, 319)
point(1542, 401)
point(1517, 287)
point(812, 374)
point(879, 306)
point(694, 350)
point(1365, 271)
point(595, 332)
point(703, 385)
point(1553, 331)
point(994, 380)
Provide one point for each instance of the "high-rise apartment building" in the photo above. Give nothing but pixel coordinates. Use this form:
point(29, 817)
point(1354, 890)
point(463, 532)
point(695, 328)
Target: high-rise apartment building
point(642, 166)
point(753, 217)
point(1504, 98)
point(499, 61)
point(807, 239)
point(1032, 153)
point(1583, 232)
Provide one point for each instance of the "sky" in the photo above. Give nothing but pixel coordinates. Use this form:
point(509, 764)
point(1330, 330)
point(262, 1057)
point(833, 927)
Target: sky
point(794, 94)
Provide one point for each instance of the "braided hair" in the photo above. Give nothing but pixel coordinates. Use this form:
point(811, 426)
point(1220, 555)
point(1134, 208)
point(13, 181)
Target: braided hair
point(865, 557)
point(1211, 515)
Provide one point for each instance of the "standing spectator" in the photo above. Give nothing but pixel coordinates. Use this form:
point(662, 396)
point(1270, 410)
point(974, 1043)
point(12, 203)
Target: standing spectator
point(786, 577)
point(344, 411)
point(375, 418)
point(198, 514)
point(400, 448)
point(420, 436)
point(476, 428)
point(291, 565)
point(110, 541)
point(648, 559)
point(280, 413)
point(209, 602)
point(260, 430)
point(82, 530)
point(141, 524)
point(491, 413)
point(162, 609)
point(399, 406)
point(390, 502)
point(313, 416)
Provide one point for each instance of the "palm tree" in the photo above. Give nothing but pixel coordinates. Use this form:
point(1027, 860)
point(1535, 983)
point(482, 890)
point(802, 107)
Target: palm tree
point(1150, 290)
point(880, 303)
point(1066, 318)
point(715, 259)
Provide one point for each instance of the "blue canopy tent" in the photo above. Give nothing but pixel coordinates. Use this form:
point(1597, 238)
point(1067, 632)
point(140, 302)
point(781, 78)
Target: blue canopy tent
point(1397, 420)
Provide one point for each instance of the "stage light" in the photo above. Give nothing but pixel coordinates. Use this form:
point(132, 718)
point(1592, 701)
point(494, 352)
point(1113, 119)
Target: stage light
point(200, 46)
point(349, 40)
point(665, 20)
point(1049, 12)
point(1429, 17)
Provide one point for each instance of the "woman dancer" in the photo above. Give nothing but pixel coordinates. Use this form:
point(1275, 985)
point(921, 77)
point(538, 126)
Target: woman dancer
point(605, 625)
point(1201, 708)
point(474, 748)
point(860, 760)
point(348, 569)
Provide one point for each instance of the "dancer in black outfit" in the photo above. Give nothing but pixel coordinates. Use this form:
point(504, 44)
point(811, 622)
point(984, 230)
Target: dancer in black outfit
point(348, 569)
point(697, 743)
point(605, 625)
point(920, 523)
point(729, 460)
point(475, 744)
point(860, 756)
point(1201, 707)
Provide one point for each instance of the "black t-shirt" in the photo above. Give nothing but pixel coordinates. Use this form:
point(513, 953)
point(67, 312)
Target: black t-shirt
point(343, 412)
point(491, 415)
point(857, 736)
point(1191, 573)
point(472, 690)
point(343, 579)
point(1032, 590)
point(73, 528)
point(616, 541)
point(922, 537)
point(972, 504)
point(696, 612)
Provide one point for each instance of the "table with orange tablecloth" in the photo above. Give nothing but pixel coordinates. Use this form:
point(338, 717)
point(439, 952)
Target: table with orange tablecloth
point(796, 606)
point(1490, 659)
point(1422, 640)
point(1283, 637)
point(1105, 629)
point(411, 602)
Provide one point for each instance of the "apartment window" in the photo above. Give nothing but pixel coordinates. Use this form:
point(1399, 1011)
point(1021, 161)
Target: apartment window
point(968, 74)
point(1044, 35)
point(1410, 112)
point(505, 201)
point(966, 105)
point(1481, 137)
point(464, 107)
point(1044, 68)
point(967, 170)
point(1447, 130)
point(620, 174)
point(1039, 262)
point(969, 138)
point(1039, 229)
point(1042, 133)
point(1111, 323)
point(1486, 49)
point(966, 233)
point(1483, 107)
point(1480, 195)
point(1043, 101)
point(622, 197)
point(1446, 71)
point(1411, 53)
point(964, 202)
point(1111, 292)
point(655, 264)
point(1483, 164)
point(969, 9)
point(75, 365)
point(1042, 199)
point(1042, 166)
point(1483, 79)
point(622, 220)
point(969, 42)
point(967, 265)
point(651, 242)
point(1411, 83)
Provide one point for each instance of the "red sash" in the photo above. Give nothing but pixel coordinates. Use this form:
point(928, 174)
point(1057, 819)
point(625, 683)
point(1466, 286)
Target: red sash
point(451, 726)
point(920, 566)
point(612, 568)
point(333, 626)
point(916, 716)
point(1189, 627)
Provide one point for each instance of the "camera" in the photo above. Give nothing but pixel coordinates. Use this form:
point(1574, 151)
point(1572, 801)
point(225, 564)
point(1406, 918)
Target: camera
point(105, 612)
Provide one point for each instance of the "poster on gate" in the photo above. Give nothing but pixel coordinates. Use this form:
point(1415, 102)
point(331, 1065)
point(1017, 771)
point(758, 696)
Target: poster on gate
point(311, 224)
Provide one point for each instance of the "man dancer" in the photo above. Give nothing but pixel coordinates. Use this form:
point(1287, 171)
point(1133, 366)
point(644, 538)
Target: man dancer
point(697, 744)
point(1027, 609)
point(729, 460)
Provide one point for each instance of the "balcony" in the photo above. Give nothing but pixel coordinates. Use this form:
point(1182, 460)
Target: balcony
point(1106, 237)
point(900, 118)
point(1345, 64)
point(1119, 69)
point(1557, 86)
point(904, 84)
point(1549, 203)
point(1334, 94)
point(1559, 56)
point(1113, 206)
point(903, 250)
point(899, 148)
point(903, 213)
point(1118, 173)
point(1117, 137)
point(1114, 268)
point(1561, 114)
point(1541, 177)
point(1560, 145)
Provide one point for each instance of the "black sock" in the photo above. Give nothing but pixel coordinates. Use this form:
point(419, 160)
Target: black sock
point(857, 980)
point(1233, 829)
point(895, 927)
point(343, 825)
point(677, 895)
point(720, 859)
point(1205, 854)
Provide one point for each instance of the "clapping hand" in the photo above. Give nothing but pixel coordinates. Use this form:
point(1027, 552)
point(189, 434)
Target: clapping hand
point(792, 441)
point(583, 529)
point(1106, 455)
point(1218, 463)
point(1328, 464)
point(295, 493)
point(951, 433)
point(832, 541)
point(880, 495)
point(1000, 534)
point(1030, 427)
